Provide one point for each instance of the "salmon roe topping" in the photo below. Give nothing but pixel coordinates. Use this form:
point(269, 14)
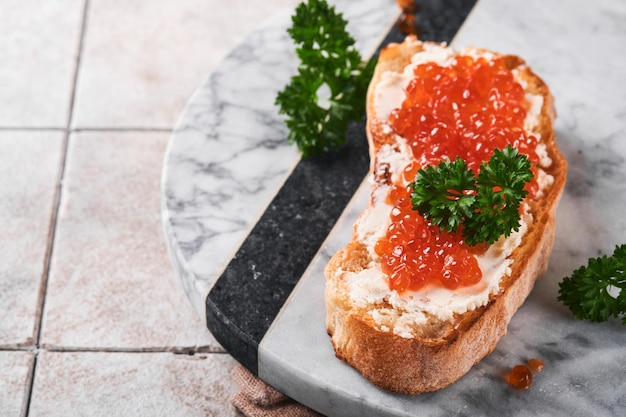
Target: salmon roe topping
point(467, 109)
point(415, 253)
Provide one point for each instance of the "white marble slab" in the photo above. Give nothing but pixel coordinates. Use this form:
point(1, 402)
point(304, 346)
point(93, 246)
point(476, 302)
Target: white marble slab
point(220, 173)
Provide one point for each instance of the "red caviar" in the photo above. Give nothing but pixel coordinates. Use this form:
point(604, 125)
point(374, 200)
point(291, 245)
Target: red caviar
point(415, 253)
point(520, 377)
point(407, 6)
point(536, 365)
point(406, 22)
point(467, 109)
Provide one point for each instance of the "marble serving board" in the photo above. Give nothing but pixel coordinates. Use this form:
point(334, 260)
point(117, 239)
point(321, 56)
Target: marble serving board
point(228, 166)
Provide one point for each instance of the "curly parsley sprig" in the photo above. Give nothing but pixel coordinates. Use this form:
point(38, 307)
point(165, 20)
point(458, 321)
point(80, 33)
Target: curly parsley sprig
point(329, 63)
point(487, 205)
point(445, 194)
point(597, 291)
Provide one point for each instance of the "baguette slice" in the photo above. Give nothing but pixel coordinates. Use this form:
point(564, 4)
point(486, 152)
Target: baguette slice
point(395, 344)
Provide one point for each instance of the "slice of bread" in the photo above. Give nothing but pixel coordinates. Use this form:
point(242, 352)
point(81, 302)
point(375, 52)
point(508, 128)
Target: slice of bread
point(425, 340)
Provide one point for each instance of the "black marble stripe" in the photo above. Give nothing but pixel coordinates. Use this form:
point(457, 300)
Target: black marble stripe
point(258, 280)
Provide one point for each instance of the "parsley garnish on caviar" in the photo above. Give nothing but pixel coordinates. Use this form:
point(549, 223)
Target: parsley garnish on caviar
point(486, 206)
point(597, 291)
point(330, 87)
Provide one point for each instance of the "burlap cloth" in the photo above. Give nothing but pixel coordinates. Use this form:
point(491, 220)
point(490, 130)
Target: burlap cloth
point(257, 399)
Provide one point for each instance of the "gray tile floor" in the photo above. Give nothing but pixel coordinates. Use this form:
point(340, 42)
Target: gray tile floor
point(93, 320)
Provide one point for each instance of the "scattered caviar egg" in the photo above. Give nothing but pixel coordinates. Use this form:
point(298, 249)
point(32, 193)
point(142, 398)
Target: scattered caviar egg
point(520, 377)
point(407, 25)
point(467, 109)
point(536, 365)
point(407, 5)
point(406, 22)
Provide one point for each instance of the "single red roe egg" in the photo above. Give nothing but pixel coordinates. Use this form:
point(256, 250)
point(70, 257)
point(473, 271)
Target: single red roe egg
point(406, 24)
point(520, 377)
point(407, 5)
point(535, 365)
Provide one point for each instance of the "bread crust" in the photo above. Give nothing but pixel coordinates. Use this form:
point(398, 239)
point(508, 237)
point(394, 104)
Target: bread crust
point(439, 356)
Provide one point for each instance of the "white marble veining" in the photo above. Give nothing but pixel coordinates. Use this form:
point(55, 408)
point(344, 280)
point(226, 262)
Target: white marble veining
point(578, 49)
point(229, 154)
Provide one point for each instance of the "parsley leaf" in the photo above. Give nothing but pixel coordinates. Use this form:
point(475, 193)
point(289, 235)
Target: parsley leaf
point(487, 205)
point(443, 195)
point(500, 191)
point(330, 87)
point(597, 291)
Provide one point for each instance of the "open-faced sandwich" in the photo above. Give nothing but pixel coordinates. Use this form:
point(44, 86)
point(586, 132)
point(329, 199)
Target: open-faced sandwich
point(422, 294)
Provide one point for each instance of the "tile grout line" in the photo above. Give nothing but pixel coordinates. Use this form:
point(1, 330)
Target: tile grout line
point(55, 212)
point(180, 350)
point(189, 351)
point(59, 191)
point(31, 129)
